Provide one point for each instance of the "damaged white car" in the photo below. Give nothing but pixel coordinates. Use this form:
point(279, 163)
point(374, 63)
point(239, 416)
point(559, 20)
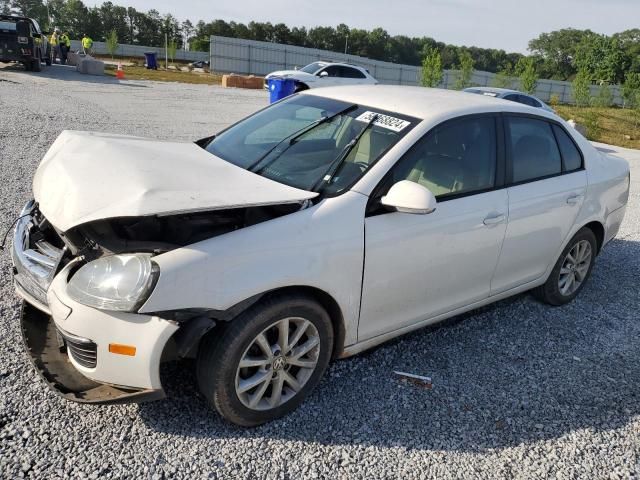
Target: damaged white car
point(319, 227)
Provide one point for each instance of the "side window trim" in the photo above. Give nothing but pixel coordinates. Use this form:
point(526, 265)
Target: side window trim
point(509, 159)
point(500, 175)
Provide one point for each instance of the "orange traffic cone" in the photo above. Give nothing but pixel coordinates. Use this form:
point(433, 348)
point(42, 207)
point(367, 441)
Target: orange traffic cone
point(120, 72)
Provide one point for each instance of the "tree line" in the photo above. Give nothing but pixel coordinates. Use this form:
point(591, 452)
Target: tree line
point(557, 55)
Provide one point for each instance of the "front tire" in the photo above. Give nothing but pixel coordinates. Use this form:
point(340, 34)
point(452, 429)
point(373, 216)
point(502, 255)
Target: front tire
point(264, 363)
point(571, 271)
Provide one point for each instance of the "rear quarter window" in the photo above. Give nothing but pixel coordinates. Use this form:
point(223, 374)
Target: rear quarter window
point(570, 154)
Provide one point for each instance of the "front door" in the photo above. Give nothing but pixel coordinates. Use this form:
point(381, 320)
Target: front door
point(419, 266)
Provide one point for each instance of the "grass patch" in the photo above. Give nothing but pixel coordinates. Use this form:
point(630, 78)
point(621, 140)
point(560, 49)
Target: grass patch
point(615, 126)
point(161, 75)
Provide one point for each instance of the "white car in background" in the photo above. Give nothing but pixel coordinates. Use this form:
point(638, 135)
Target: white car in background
point(319, 227)
point(325, 74)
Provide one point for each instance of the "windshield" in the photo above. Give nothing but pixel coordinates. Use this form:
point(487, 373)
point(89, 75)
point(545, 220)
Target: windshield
point(312, 143)
point(313, 67)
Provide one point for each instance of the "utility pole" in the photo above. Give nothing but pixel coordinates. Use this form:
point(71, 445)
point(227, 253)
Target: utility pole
point(49, 27)
point(166, 53)
point(346, 43)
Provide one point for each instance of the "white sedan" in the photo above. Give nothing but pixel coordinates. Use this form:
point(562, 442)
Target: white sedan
point(325, 74)
point(317, 228)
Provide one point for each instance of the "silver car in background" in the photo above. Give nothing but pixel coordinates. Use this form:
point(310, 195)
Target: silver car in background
point(513, 95)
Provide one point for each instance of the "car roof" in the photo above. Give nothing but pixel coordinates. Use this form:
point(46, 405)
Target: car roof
point(13, 17)
point(494, 90)
point(326, 64)
point(422, 102)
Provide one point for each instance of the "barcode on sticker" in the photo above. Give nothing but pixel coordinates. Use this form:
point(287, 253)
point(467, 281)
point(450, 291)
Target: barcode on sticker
point(384, 121)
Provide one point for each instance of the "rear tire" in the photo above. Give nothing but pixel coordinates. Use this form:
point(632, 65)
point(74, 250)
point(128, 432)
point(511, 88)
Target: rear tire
point(571, 271)
point(28, 66)
point(275, 377)
point(37, 65)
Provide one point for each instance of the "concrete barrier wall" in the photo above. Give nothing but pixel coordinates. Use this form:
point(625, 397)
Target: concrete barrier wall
point(250, 57)
point(139, 50)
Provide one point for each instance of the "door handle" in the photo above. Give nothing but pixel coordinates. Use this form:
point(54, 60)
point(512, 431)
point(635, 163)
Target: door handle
point(574, 199)
point(494, 219)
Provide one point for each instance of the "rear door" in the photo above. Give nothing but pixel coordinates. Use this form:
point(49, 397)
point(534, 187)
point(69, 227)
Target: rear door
point(547, 186)
point(352, 75)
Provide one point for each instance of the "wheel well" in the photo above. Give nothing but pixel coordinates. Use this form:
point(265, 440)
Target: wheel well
point(598, 231)
point(328, 303)
point(300, 86)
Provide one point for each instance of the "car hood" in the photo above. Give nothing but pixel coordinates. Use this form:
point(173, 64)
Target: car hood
point(293, 73)
point(88, 176)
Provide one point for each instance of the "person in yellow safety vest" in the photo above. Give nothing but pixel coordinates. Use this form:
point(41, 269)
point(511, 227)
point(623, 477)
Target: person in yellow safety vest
point(55, 48)
point(87, 43)
point(64, 44)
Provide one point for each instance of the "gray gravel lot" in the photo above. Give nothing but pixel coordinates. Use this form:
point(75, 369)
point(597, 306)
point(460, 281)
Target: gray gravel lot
point(521, 390)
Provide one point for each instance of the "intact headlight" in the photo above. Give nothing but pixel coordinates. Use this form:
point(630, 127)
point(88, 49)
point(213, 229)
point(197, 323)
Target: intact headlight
point(117, 282)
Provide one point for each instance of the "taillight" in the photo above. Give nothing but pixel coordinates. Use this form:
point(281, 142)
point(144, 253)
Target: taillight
point(23, 39)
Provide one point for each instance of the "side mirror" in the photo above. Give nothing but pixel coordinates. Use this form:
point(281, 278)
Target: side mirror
point(410, 197)
point(324, 74)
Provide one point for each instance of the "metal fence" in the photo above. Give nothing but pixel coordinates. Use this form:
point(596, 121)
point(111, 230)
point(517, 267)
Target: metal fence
point(250, 57)
point(139, 51)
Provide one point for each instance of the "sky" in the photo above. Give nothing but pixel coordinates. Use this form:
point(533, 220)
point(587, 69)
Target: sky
point(503, 24)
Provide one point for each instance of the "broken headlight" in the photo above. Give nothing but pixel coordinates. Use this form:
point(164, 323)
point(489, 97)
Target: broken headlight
point(117, 282)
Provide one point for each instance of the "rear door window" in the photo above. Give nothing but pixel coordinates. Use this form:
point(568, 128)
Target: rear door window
point(348, 72)
point(532, 148)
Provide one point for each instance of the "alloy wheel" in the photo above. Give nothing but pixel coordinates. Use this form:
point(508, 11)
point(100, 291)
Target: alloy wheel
point(277, 364)
point(575, 268)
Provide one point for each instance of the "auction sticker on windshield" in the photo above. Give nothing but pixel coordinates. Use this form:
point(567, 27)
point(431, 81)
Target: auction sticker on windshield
point(384, 121)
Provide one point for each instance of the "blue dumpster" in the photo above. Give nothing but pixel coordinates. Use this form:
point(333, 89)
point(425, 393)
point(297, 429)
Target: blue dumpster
point(150, 58)
point(280, 88)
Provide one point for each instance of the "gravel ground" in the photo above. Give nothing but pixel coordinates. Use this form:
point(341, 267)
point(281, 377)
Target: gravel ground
point(520, 390)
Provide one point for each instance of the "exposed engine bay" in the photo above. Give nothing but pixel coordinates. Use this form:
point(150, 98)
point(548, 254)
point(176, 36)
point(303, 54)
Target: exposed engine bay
point(158, 234)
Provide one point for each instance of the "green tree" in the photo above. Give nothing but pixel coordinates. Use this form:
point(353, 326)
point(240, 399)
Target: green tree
point(604, 99)
point(557, 50)
point(503, 79)
point(112, 43)
point(526, 69)
point(631, 89)
point(432, 68)
point(172, 48)
point(30, 8)
point(465, 70)
point(602, 58)
point(629, 42)
point(582, 89)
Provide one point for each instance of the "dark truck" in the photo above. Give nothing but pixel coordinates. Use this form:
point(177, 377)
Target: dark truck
point(22, 40)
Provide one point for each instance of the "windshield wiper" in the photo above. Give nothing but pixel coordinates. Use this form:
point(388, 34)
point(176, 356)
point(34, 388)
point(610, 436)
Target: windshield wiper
point(336, 162)
point(291, 139)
